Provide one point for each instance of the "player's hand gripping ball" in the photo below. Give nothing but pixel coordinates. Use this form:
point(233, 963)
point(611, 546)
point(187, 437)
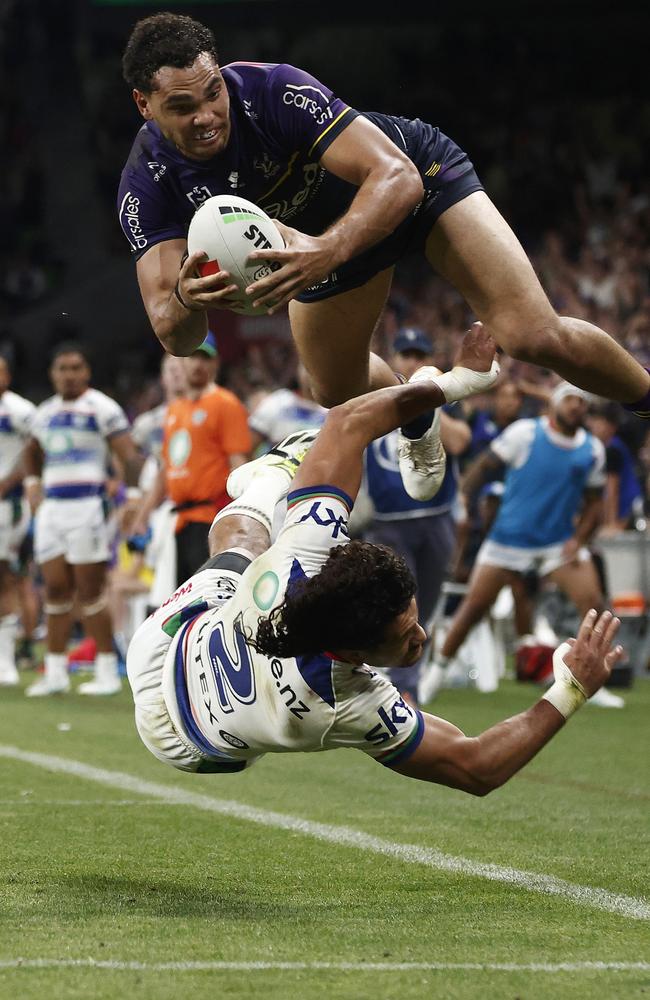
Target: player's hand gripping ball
point(228, 229)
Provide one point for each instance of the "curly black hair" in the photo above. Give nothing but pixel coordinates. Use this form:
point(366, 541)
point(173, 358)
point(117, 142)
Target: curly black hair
point(164, 40)
point(359, 591)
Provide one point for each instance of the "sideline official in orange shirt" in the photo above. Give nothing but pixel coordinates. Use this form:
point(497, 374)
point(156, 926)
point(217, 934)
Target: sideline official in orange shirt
point(206, 436)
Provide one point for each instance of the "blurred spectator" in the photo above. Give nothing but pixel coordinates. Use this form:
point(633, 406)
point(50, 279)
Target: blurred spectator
point(423, 532)
point(623, 493)
point(206, 436)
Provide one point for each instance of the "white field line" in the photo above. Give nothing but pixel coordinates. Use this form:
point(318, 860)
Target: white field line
point(111, 964)
point(31, 800)
point(344, 836)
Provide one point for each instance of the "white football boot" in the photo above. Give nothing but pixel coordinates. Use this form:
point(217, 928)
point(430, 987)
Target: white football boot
point(47, 686)
point(431, 680)
point(422, 461)
point(286, 456)
point(106, 681)
point(606, 699)
point(8, 674)
point(101, 686)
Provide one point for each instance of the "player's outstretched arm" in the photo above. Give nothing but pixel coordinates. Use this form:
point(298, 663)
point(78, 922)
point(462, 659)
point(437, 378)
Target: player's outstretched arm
point(176, 298)
point(336, 459)
point(389, 187)
point(480, 764)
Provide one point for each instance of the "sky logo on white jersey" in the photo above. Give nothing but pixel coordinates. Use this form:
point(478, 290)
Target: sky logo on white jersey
point(324, 517)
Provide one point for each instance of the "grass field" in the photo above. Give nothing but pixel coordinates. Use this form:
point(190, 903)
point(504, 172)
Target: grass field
point(139, 886)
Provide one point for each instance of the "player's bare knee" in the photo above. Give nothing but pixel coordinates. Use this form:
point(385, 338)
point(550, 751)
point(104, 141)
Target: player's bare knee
point(538, 344)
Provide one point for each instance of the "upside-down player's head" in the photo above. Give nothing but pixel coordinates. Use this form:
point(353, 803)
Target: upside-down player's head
point(171, 64)
point(360, 607)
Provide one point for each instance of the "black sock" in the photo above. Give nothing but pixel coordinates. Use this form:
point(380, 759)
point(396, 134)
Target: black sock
point(416, 428)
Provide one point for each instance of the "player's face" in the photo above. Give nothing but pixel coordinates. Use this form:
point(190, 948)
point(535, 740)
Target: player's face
point(507, 403)
point(191, 106)
point(408, 362)
point(70, 375)
point(200, 370)
point(403, 642)
point(570, 413)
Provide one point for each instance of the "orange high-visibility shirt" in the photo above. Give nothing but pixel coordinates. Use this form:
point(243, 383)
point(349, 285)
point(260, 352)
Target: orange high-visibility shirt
point(200, 436)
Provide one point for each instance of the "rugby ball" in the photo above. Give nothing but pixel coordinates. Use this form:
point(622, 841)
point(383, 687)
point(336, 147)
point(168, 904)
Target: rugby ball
point(228, 229)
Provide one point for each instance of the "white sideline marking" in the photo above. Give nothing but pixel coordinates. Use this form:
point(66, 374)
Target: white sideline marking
point(91, 963)
point(344, 836)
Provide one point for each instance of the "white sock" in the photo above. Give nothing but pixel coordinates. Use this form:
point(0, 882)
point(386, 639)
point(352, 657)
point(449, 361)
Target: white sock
point(105, 666)
point(56, 667)
point(8, 633)
point(260, 497)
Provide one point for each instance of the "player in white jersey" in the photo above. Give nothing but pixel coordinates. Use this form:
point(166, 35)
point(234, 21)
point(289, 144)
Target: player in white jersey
point(16, 415)
point(234, 664)
point(72, 435)
point(285, 411)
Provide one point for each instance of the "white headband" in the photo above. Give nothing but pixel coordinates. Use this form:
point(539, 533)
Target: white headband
point(565, 389)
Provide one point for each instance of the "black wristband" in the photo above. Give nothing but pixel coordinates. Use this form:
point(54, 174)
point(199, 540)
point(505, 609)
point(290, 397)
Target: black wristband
point(184, 304)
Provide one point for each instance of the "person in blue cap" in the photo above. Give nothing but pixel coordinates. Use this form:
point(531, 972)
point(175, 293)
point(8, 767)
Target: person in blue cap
point(423, 532)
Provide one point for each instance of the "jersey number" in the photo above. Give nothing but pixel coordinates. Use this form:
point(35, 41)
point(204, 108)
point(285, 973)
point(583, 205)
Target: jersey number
point(232, 668)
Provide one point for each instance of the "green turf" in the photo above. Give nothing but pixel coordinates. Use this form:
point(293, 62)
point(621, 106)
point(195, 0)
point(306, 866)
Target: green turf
point(94, 872)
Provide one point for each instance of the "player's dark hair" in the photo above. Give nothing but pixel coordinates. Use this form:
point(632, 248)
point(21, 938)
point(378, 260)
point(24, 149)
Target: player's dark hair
point(69, 347)
point(348, 605)
point(164, 40)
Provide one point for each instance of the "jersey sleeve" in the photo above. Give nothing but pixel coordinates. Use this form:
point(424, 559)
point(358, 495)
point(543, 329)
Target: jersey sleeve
point(111, 417)
point(373, 717)
point(597, 475)
point(316, 522)
point(262, 418)
point(147, 216)
point(513, 444)
point(24, 420)
point(303, 111)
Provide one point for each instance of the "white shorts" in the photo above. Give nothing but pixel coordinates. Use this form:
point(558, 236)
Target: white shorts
point(146, 663)
point(543, 560)
point(74, 529)
point(14, 521)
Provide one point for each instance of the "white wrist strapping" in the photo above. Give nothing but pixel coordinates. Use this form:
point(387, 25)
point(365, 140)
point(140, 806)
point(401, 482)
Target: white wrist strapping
point(566, 694)
point(461, 382)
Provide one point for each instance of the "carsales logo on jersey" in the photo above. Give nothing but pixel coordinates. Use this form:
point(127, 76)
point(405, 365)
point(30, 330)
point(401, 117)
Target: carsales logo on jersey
point(131, 221)
point(293, 95)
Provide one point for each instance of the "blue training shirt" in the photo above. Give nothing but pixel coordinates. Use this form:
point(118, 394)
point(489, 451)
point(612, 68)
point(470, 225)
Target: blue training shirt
point(547, 476)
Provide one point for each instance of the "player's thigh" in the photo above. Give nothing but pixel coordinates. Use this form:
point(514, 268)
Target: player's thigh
point(90, 580)
point(579, 582)
point(87, 532)
point(333, 337)
point(49, 533)
point(58, 579)
point(485, 583)
point(473, 247)
point(438, 534)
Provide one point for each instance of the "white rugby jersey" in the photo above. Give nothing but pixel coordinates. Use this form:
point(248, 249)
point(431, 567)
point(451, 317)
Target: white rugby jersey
point(16, 416)
point(283, 412)
point(148, 430)
point(73, 434)
point(234, 704)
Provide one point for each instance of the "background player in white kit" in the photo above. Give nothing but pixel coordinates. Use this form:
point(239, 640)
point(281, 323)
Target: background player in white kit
point(233, 665)
point(16, 416)
point(72, 434)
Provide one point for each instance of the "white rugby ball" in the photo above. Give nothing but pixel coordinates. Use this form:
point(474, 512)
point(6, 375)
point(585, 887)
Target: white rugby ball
point(228, 229)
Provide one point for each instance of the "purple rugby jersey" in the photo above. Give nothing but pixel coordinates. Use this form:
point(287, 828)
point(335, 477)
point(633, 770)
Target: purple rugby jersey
point(282, 121)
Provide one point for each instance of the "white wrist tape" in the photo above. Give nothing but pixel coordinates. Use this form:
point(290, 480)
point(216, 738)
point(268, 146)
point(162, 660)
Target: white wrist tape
point(566, 694)
point(461, 382)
